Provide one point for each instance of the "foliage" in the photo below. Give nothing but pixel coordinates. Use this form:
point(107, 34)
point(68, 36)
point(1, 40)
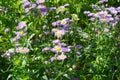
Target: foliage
point(59, 40)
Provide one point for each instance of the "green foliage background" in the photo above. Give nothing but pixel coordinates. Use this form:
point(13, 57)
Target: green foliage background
point(89, 67)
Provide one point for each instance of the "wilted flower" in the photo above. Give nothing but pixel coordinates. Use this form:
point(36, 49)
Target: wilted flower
point(75, 17)
point(60, 9)
point(22, 50)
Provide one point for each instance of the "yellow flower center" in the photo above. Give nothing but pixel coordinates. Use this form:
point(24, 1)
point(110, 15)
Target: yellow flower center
point(24, 50)
point(58, 48)
point(63, 22)
point(104, 20)
point(59, 33)
point(21, 32)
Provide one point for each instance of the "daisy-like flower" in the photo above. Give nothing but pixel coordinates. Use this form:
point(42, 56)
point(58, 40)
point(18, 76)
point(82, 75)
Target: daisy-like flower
point(22, 50)
point(40, 1)
point(21, 25)
point(63, 22)
point(106, 19)
point(60, 33)
point(100, 14)
point(61, 57)
point(56, 49)
point(21, 33)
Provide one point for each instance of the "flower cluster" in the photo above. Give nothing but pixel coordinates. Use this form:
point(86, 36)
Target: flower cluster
point(28, 5)
point(61, 27)
point(57, 49)
point(20, 33)
point(18, 36)
point(39, 5)
point(105, 15)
